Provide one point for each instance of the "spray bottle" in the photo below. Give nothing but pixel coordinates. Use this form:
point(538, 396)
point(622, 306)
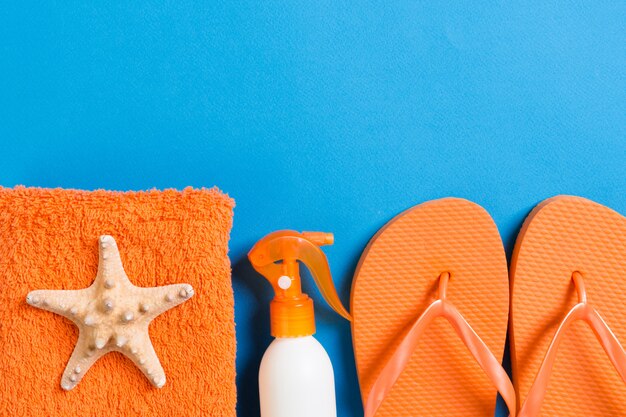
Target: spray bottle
point(296, 376)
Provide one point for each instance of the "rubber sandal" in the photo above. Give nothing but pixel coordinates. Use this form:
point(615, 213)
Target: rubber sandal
point(441, 259)
point(567, 313)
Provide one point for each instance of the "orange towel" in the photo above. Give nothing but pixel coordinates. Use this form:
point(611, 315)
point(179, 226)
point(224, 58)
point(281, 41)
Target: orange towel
point(49, 240)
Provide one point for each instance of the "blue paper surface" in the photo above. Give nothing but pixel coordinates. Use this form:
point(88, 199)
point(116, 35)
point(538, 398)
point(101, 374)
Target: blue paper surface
point(331, 116)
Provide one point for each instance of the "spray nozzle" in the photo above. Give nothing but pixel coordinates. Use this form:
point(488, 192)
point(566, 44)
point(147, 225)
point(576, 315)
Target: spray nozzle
point(276, 257)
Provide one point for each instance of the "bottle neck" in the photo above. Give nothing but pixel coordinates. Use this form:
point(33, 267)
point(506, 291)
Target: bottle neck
point(293, 317)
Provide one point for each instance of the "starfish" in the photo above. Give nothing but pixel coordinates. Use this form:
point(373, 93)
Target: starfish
point(112, 315)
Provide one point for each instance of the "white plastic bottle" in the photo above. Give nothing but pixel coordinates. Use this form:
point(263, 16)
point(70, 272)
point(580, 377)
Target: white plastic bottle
point(296, 377)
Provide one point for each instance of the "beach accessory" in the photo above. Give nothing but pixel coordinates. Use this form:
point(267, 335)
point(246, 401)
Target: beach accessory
point(49, 239)
point(567, 310)
point(441, 259)
point(296, 376)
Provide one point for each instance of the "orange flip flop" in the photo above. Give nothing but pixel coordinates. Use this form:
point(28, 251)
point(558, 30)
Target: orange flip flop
point(430, 311)
point(568, 280)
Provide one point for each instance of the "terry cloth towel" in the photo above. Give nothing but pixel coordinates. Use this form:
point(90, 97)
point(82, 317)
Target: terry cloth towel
point(49, 240)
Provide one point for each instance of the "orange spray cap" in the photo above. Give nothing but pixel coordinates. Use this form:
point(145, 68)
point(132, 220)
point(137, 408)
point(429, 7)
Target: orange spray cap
point(276, 257)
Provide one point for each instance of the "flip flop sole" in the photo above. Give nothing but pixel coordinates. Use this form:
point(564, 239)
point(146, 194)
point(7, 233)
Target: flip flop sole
point(563, 235)
point(396, 280)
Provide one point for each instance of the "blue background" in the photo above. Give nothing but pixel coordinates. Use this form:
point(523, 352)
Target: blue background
point(317, 116)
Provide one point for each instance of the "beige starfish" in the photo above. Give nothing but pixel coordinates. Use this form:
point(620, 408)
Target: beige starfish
point(112, 315)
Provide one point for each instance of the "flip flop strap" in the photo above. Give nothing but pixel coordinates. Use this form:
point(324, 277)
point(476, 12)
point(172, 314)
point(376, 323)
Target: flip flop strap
point(585, 312)
point(401, 356)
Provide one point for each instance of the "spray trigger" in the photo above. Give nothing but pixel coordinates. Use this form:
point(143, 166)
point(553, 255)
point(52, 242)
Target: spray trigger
point(276, 257)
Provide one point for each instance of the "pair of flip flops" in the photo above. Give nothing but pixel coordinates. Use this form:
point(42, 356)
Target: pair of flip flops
point(431, 302)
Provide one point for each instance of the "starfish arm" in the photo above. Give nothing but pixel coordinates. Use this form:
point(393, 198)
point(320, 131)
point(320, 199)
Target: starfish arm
point(157, 300)
point(67, 303)
point(84, 356)
point(141, 352)
point(110, 262)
